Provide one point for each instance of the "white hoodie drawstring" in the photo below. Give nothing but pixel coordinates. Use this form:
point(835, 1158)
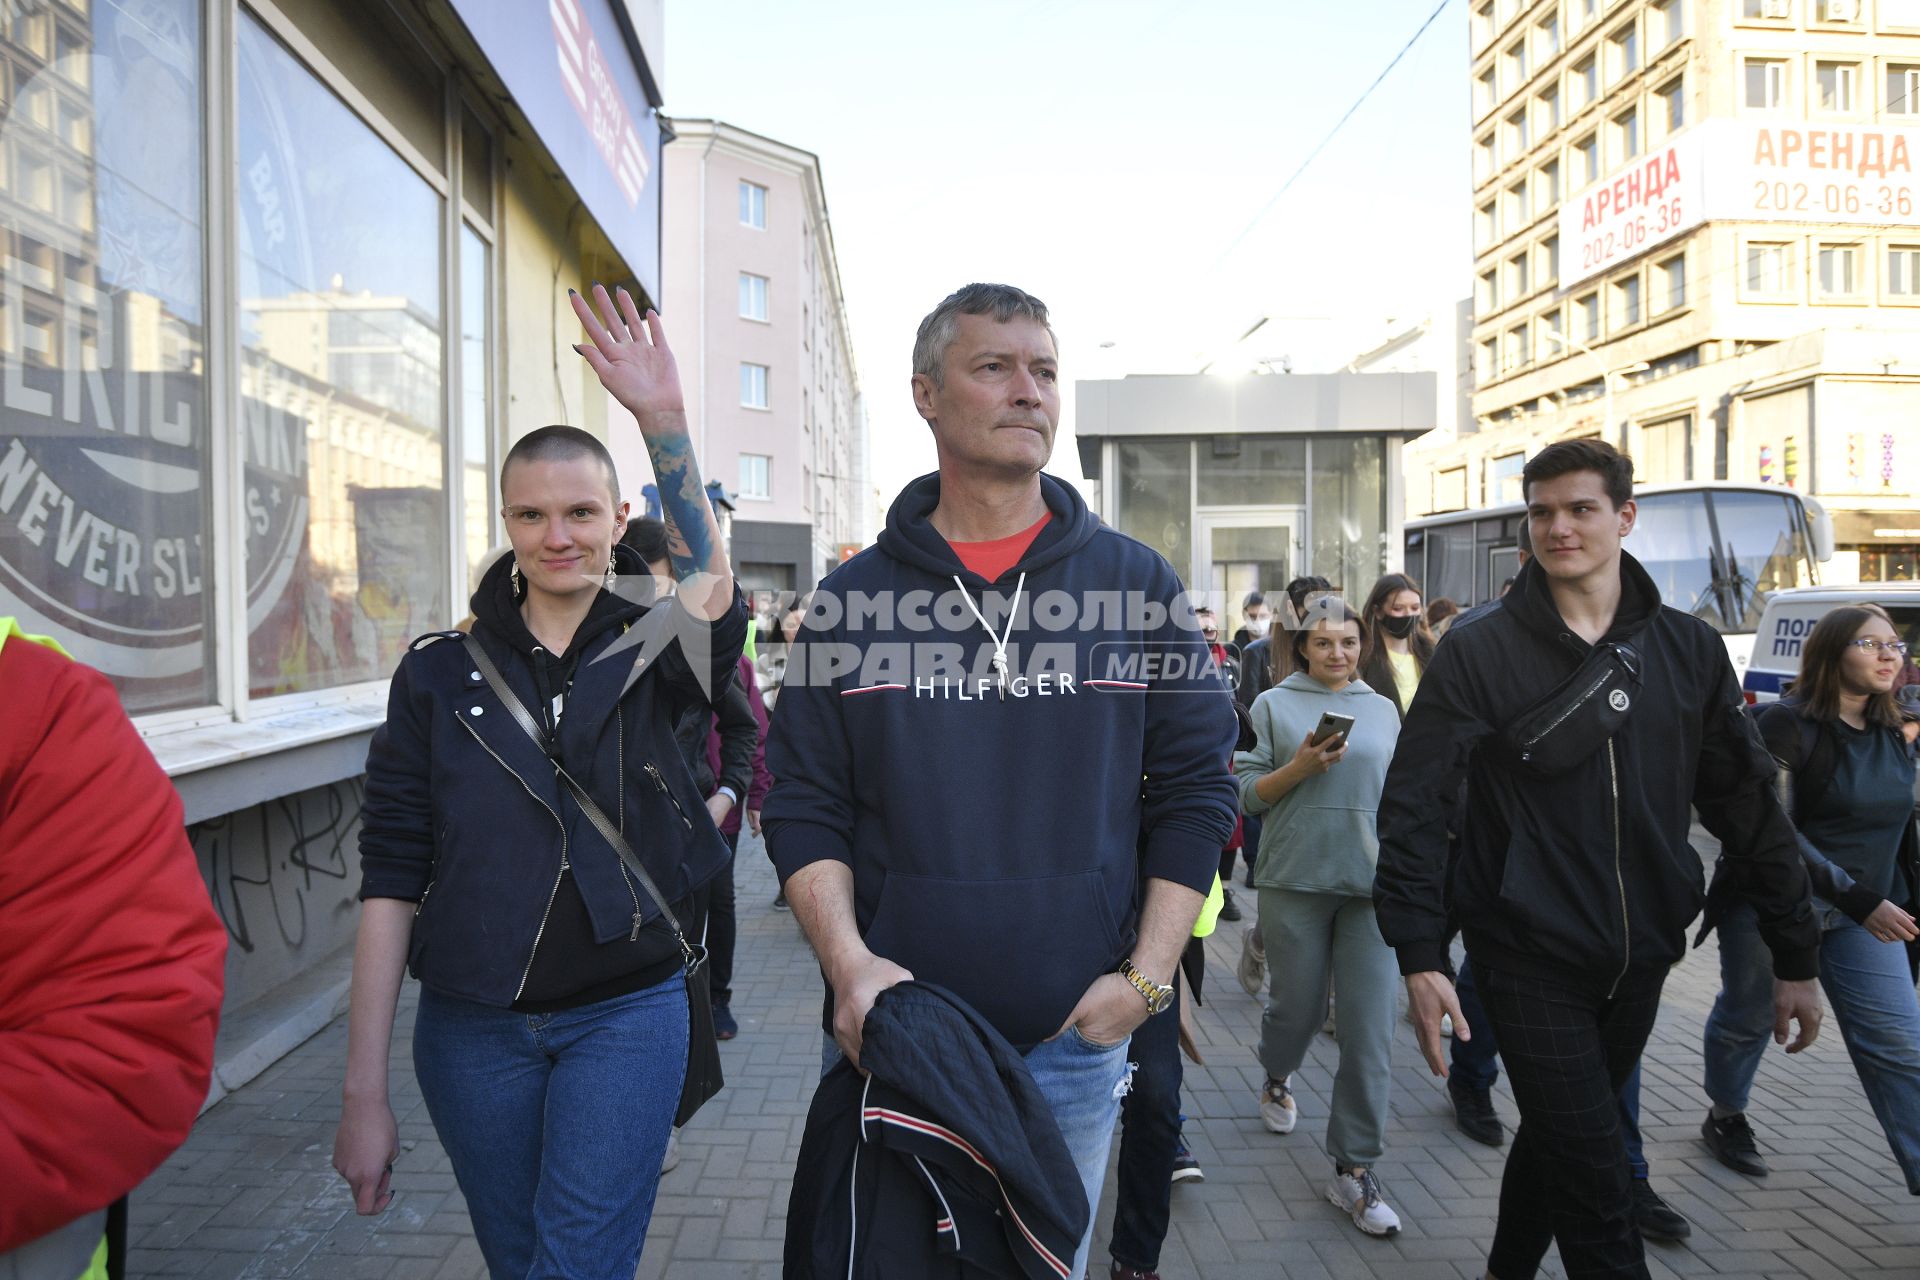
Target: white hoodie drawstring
point(1000, 641)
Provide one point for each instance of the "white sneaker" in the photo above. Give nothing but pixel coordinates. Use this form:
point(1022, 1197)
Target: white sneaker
point(672, 1158)
point(1357, 1194)
point(1252, 969)
point(1277, 1110)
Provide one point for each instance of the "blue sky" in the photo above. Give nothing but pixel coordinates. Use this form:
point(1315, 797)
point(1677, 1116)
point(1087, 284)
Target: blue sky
point(1104, 155)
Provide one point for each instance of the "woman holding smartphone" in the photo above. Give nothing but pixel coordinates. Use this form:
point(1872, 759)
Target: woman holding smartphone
point(552, 1037)
point(1323, 739)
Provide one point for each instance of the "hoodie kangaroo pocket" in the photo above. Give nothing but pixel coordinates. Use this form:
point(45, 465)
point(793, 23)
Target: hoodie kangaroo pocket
point(1021, 951)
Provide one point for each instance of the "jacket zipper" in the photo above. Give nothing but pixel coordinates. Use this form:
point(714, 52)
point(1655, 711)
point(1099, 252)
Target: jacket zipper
point(661, 783)
point(420, 906)
point(620, 773)
point(551, 893)
point(1619, 880)
point(1572, 707)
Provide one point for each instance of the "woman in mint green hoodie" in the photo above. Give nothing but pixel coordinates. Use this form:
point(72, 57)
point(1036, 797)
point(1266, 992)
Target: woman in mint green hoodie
point(1315, 879)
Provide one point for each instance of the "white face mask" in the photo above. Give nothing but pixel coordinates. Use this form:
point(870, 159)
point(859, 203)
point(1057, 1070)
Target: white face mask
point(1257, 627)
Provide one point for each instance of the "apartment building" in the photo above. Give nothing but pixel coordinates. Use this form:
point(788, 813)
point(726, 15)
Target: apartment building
point(1697, 235)
point(759, 326)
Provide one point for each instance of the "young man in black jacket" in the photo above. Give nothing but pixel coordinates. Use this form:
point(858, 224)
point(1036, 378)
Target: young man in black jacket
point(1574, 888)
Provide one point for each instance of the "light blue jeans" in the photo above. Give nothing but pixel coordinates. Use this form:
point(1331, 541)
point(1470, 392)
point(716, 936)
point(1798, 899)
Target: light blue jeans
point(1871, 990)
point(1083, 1083)
point(555, 1124)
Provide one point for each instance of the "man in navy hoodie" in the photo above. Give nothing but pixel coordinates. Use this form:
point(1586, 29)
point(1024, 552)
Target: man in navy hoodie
point(997, 758)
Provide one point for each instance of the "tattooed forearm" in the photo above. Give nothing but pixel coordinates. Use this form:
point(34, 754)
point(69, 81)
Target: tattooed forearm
point(691, 531)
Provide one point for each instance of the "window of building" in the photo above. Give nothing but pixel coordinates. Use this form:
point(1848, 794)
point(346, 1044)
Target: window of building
point(1483, 24)
point(1450, 494)
point(1518, 282)
point(1837, 271)
point(1626, 134)
point(1486, 93)
point(1903, 89)
point(1903, 272)
point(1662, 457)
point(1765, 84)
point(1626, 302)
point(1489, 292)
point(476, 420)
point(1550, 260)
point(1487, 361)
point(1581, 13)
point(753, 386)
point(1667, 22)
point(1671, 100)
point(753, 205)
point(1548, 105)
point(1546, 37)
point(756, 475)
point(1486, 225)
point(753, 296)
point(1769, 269)
point(1836, 86)
point(1586, 311)
point(1767, 10)
point(1553, 337)
point(1670, 278)
point(1519, 347)
point(1623, 52)
point(1588, 149)
point(1517, 67)
point(1504, 477)
point(1547, 183)
point(1840, 10)
point(1584, 83)
point(1486, 158)
point(1519, 136)
point(1518, 211)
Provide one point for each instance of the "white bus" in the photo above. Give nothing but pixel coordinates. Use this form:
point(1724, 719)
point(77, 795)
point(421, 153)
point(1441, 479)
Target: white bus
point(1717, 550)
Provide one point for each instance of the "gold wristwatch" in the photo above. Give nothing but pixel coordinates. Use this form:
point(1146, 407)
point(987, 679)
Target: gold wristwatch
point(1158, 997)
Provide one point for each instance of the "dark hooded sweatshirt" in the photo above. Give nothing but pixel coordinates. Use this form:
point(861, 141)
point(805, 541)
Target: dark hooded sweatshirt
point(999, 843)
point(1586, 876)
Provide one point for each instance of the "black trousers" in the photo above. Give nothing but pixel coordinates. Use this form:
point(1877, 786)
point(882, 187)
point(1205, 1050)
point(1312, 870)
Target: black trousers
point(722, 928)
point(1568, 1049)
point(1149, 1136)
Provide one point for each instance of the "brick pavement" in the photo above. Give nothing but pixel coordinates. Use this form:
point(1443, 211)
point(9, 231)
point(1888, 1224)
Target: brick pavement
point(252, 1193)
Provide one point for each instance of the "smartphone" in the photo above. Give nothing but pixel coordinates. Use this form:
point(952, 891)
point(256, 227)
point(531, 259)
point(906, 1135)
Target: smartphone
point(1330, 726)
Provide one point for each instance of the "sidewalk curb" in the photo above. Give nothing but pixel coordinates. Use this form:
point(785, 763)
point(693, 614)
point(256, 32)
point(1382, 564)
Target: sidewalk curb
point(255, 1037)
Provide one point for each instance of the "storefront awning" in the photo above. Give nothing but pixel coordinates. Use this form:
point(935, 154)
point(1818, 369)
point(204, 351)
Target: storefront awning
point(573, 72)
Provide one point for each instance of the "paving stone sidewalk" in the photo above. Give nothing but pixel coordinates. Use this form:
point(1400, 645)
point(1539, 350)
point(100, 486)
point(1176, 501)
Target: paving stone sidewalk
point(252, 1193)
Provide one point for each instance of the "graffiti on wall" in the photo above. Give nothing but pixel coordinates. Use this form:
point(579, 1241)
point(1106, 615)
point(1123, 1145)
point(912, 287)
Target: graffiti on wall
point(274, 868)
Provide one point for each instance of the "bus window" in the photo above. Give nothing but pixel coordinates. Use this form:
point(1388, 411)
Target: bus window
point(1415, 562)
point(1450, 564)
point(1762, 549)
point(1502, 563)
point(1673, 543)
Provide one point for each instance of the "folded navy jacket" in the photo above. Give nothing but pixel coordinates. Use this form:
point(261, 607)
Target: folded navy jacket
point(944, 1162)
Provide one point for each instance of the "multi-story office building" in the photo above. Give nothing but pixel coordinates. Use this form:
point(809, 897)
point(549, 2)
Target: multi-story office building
point(1697, 235)
point(759, 327)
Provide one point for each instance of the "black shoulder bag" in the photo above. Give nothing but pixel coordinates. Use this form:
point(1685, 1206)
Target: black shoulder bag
point(703, 1078)
point(1576, 719)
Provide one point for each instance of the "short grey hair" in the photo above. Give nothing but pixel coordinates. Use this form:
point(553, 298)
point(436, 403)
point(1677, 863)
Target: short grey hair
point(1001, 301)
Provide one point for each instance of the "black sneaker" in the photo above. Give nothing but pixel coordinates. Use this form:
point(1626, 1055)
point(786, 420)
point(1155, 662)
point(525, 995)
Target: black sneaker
point(1731, 1141)
point(724, 1027)
point(1654, 1218)
point(780, 901)
point(1229, 910)
point(1473, 1113)
point(1121, 1271)
point(1185, 1167)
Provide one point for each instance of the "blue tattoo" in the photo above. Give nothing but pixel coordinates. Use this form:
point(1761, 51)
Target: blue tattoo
point(683, 505)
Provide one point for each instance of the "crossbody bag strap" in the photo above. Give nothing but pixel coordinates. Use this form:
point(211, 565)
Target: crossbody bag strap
point(588, 805)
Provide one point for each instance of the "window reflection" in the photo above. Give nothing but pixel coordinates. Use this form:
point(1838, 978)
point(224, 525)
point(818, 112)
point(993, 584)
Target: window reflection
point(1349, 544)
point(103, 422)
point(340, 384)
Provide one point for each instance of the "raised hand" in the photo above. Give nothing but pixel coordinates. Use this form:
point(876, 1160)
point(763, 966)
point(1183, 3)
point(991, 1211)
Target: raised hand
point(630, 356)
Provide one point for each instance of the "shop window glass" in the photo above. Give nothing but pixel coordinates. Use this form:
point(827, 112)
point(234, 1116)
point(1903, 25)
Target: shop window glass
point(482, 527)
point(341, 430)
point(1253, 471)
point(1155, 498)
point(103, 405)
point(1348, 540)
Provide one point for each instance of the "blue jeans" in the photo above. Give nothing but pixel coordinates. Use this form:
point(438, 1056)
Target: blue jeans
point(1083, 1083)
point(1477, 1063)
point(555, 1123)
point(1870, 987)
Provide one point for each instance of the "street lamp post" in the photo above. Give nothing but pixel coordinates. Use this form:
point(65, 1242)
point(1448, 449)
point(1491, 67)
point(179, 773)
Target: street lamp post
point(1606, 376)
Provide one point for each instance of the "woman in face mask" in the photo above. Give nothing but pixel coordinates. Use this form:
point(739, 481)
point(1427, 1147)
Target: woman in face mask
point(1399, 643)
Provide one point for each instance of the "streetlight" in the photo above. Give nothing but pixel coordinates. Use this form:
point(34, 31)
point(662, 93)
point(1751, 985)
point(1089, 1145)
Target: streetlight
point(1606, 375)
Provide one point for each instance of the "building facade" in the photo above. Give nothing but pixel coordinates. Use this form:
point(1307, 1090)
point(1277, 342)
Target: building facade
point(773, 393)
point(279, 279)
point(1244, 483)
point(1697, 235)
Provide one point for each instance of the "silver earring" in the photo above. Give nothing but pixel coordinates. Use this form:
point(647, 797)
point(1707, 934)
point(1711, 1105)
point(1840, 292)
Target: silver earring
point(606, 579)
point(514, 577)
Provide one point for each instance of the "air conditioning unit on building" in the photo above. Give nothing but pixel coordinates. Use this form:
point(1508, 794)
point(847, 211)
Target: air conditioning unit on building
point(1842, 10)
point(1776, 8)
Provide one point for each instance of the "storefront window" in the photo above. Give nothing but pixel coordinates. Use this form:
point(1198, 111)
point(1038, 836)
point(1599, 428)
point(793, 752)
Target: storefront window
point(103, 405)
point(340, 384)
point(482, 528)
point(1155, 487)
point(1348, 544)
point(1253, 471)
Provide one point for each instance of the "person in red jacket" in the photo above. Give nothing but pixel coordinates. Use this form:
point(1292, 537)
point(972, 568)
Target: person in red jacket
point(111, 959)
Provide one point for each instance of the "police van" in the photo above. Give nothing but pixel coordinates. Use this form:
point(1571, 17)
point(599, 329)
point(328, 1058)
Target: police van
point(1789, 619)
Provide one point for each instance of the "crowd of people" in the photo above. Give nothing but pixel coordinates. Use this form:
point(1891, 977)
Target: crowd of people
point(1006, 772)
